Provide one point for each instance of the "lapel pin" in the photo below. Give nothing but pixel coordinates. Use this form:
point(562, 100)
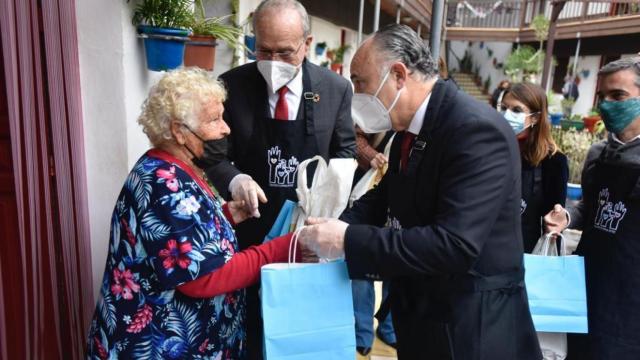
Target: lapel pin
point(312, 96)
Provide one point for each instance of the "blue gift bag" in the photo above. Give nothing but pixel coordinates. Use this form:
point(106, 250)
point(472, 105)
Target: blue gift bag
point(308, 312)
point(282, 225)
point(557, 292)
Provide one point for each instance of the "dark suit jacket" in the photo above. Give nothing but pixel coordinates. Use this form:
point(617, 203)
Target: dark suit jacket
point(247, 94)
point(467, 211)
point(555, 174)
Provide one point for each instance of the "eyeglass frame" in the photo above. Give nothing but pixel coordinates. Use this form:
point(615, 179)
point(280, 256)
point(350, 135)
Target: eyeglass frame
point(281, 55)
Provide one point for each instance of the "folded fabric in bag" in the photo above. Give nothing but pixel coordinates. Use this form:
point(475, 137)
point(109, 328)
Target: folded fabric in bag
point(556, 289)
point(307, 311)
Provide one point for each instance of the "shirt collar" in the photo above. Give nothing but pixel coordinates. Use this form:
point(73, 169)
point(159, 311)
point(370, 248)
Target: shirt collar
point(615, 138)
point(418, 118)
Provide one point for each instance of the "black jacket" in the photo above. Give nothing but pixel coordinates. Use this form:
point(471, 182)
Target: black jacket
point(462, 233)
point(554, 171)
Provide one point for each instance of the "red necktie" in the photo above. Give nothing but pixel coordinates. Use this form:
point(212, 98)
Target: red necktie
point(282, 110)
point(405, 149)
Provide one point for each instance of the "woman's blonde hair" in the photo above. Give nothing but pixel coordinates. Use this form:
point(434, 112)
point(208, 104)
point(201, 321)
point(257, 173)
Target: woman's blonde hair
point(179, 95)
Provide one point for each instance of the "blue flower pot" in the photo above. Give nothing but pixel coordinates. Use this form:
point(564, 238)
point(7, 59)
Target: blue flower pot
point(320, 50)
point(164, 47)
point(574, 191)
point(555, 118)
point(250, 43)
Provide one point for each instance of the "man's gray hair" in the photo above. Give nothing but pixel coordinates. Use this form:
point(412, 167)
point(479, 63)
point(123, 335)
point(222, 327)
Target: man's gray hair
point(284, 4)
point(632, 63)
point(400, 43)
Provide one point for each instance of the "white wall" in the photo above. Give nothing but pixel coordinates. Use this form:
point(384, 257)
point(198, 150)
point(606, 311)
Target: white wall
point(480, 56)
point(626, 56)
point(589, 66)
point(325, 31)
point(105, 123)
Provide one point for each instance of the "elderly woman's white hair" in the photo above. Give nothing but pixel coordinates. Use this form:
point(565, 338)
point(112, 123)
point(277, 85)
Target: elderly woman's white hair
point(179, 95)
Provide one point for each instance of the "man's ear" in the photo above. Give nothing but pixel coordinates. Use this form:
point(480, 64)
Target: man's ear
point(400, 73)
point(308, 41)
point(178, 132)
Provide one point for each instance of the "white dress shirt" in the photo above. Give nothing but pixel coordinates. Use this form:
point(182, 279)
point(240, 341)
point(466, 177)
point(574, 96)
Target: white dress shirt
point(293, 96)
point(418, 118)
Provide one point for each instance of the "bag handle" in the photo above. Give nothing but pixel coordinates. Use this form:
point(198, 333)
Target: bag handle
point(547, 242)
point(293, 245)
point(303, 190)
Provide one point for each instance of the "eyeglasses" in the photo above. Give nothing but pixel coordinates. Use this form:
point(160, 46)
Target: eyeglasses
point(503, 109)
point(282, 55)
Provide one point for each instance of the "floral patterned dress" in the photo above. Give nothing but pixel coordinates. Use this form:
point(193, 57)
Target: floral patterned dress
point(167, 228)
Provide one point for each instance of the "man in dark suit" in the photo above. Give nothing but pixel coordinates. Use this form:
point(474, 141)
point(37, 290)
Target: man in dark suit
point(281, 110)
point(454, 251)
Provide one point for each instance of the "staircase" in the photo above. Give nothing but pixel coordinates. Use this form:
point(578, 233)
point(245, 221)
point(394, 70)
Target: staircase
point(466, 83)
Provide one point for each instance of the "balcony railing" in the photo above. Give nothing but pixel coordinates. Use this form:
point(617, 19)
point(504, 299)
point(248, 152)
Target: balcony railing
point(518, 14)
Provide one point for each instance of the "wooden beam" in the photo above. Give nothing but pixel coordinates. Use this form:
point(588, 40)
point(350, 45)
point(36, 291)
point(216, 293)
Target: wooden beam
point(555, 12)
point(590, 28)
point(482, 34)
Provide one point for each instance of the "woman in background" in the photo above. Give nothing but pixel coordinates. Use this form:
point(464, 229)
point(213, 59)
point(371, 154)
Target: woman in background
point(545, 170)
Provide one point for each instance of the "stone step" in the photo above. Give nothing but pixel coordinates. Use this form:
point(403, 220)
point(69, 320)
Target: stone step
point(468, 85)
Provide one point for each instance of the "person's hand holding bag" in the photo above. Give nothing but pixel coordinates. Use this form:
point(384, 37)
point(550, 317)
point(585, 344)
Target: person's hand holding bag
point(324, 237)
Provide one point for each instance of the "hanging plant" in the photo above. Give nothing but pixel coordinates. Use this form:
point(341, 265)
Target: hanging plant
point(522, 62)
point(174, 14)
point(164, 27)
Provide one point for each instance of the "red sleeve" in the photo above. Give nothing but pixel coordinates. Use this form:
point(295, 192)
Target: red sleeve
point(227, 214)
point(241, 271)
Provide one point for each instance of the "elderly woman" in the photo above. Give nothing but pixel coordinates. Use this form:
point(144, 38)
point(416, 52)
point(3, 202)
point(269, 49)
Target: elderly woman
point(174, 279)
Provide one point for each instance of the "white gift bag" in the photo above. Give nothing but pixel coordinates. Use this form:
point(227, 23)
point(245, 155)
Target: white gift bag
point(328, 195)
point(371, 178)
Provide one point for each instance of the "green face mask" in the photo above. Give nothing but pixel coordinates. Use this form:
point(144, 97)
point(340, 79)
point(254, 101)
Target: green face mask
point(617, 115)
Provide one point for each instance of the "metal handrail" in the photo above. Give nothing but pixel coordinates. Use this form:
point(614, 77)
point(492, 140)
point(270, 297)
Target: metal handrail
point(520, 13)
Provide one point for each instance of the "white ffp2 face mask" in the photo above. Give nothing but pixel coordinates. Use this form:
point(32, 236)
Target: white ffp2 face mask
point(276, 73)
point(369, 113)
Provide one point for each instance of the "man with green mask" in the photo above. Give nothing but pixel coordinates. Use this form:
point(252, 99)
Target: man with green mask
point(609, 215)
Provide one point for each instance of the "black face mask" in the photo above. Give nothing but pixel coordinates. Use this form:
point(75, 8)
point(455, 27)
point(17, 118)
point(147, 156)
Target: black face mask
point(215, 151)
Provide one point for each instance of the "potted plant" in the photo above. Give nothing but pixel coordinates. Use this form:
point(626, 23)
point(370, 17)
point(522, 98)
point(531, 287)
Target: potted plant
point(201, 47)
point(338, 57)
point(523, 62)
point(575, 145)
point(320, 47)
point(164, 27)
point(567, 107)
point(591, 120)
